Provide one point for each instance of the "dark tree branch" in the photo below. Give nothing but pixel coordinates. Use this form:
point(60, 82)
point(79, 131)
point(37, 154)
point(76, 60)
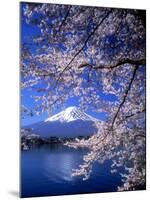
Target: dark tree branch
point(125, 96)
point(90, 35)
point(140, 135)
point(132, 115)
point(44, 73)
point(63, 21)
point(121, 62)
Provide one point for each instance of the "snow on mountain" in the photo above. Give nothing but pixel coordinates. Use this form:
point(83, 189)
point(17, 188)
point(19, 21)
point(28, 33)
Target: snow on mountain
point(71, 114)
point(70, 123)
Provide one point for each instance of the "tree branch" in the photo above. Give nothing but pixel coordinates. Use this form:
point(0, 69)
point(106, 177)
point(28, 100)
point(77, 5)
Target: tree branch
point(132, 115)
point(121, 62)
point(90, 35)
point(125, 96)
point(140, 135)
point(63, 21)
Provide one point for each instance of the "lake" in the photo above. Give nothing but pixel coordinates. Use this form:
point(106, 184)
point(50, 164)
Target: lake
point(46, 171)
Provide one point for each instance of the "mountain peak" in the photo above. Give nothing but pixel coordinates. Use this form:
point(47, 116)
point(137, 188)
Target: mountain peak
point(71, 108)
point(71, 114)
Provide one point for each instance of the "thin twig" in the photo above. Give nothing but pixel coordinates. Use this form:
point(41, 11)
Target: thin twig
point(85, 42)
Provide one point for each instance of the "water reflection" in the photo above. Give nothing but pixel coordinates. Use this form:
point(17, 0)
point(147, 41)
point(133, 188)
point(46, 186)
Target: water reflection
point(66, 162)
point(46, 170)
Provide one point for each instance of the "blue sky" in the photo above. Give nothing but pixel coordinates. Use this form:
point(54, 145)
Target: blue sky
point(27, 31)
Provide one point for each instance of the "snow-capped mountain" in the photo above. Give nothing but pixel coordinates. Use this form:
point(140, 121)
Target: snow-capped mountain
point(71, 114)
point(72, 122)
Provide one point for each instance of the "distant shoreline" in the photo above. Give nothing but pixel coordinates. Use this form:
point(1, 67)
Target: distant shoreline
point(28, 141)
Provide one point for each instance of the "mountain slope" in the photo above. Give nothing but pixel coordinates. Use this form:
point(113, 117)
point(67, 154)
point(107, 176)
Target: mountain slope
point(71, 114)
point(70, 123)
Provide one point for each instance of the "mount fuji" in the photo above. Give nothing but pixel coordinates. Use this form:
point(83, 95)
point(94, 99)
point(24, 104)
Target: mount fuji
point(70, 123)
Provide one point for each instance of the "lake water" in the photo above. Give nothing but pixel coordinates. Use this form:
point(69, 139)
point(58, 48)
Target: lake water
point(46, 171)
